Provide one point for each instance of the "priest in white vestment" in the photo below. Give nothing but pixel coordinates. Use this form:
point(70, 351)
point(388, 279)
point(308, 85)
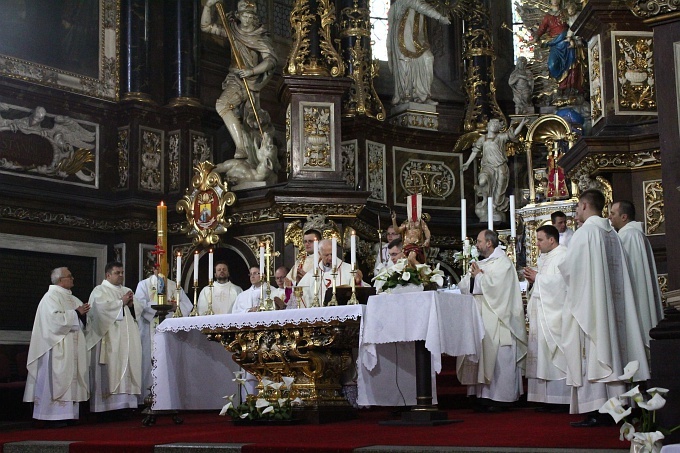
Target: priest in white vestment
point(559, 221)
point(147, 294)
point(641, 265)
point(383, 258)
point(546, 368)
point(342, 278)
point(224, 292)
point(497, 377)
point(249, 300)
point(600, 328)
point(57, 377)
point(304, 264)
point(113, 341)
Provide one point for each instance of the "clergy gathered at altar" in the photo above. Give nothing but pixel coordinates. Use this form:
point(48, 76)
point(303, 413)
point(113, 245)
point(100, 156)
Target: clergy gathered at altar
point(589, 308)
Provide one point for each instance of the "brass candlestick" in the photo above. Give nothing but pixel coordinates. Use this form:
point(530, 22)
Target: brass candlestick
point(178, 309)
point(353, 300)
point(298, 297)
point(210, 299)
point(333, 302)
point(511, 251)
point(194, 312)
point(317, 278)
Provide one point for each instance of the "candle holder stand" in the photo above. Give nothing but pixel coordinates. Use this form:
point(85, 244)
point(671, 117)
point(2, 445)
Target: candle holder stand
point(210, 299)
point(317, 281)
point(334, 301)
point(194, 311)
point(178, 309)
point(353, 300)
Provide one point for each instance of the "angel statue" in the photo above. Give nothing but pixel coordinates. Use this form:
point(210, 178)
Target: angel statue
point(494, 174)
point(252, 66)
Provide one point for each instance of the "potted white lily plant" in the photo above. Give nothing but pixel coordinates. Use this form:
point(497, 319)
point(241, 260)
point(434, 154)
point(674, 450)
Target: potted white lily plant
point(643, 433)
point(276, 407)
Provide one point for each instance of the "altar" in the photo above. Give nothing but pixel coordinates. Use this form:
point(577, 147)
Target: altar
point(192, 373)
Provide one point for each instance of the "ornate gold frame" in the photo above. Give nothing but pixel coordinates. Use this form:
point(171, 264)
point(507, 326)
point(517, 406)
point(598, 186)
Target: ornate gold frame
point(207, 184)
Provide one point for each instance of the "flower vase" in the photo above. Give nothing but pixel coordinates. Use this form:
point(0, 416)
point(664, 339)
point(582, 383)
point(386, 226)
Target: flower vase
point(640, 446)
point(405, 289)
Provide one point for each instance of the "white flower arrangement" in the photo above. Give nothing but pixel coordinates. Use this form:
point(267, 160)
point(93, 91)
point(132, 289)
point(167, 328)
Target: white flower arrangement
point(469, 252)
point(403, 274)
point(254, 408)
point(643, 431)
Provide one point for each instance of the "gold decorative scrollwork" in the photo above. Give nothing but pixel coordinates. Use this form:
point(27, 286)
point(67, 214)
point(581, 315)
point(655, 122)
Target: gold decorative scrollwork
point(205, 206)
point(634, 55)
point(432, 179)
point(317, 123)
point(648, 9)
point(315, 355)
point(654, 206)
point(300, 21)
point(328, 50)
point(596, 81)
point(254, 241)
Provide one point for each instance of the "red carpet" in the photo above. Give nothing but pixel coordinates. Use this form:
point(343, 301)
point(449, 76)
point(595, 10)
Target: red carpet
point(518, 428)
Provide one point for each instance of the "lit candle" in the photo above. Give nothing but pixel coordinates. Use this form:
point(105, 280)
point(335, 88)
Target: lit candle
point(210, 265)
point(513, 226)
point(463, 219)
point(489, 210)
point(316, 254)
point(334, 246)
point(353, 249)
point(261, 260)
point(196, 267)
point(162, 235)
point(178, 271)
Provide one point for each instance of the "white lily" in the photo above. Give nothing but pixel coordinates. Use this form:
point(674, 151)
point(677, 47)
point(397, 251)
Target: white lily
point(634, 394)
point(406, 275)
point(614, 407)
point(438, 279)
point(240, 380)
point(424, 269)
point(648, 439)
point(400, 266)
point(268, 410)
point(282, 401)
point(296, 401)
point(267, 383)
point(261, 402)
point(229, 397)
point(276, 385)
point(239, 374)
point(226, 408)
point(288, 381)
point(656, 403)
point(660, 390)
point(630, 370)
point(627, 431)
point(474, 253)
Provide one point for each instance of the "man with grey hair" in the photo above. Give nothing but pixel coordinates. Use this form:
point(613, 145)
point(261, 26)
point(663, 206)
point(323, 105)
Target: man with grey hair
point(493, 282)
point(57, 357)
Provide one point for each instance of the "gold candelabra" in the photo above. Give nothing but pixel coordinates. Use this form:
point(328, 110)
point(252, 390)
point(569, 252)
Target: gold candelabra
point(210, 299)
point(334, 301)
point(194, 312)
point(267, 304)
point(511, 252)
point(178, 309)
point(317, 281)
point(353, 300)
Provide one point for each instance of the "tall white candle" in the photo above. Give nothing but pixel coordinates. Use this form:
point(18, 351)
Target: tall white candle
point(261, 261)
point(178, 271)
point(513, 226)
point(316, 254)
point(334, 246)
point(196, 266)
point(489, 210)
point(463, 219)
point(210, 265)
point(353, 249)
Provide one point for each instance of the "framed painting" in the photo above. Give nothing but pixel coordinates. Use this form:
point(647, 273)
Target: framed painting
point(71, 45)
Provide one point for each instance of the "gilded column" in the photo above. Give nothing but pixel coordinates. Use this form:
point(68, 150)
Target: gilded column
point(355, 39)
point(182, 38)
point(479, 57)
point(135, 50)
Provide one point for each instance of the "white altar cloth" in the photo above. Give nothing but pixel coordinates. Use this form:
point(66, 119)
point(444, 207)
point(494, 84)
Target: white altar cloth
point(448, 323)
point(192, 373)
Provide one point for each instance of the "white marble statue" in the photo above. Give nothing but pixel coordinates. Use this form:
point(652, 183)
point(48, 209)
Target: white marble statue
point(521, 82)
point(239, 171)
point(408, 49)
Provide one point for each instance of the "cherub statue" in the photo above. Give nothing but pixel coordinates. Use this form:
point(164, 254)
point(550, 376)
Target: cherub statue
point(521, 82)
point(415, 237)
